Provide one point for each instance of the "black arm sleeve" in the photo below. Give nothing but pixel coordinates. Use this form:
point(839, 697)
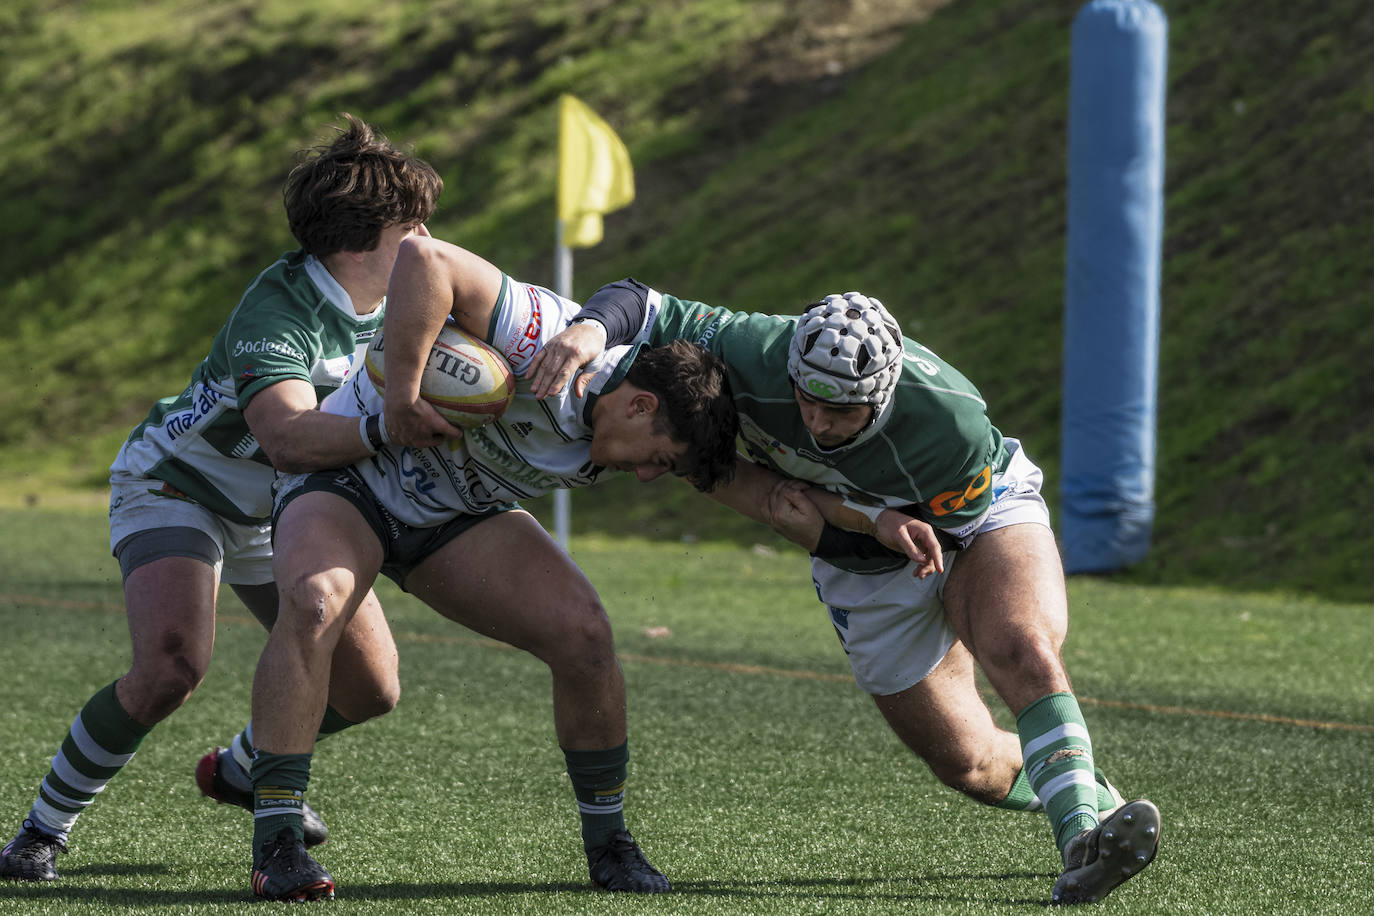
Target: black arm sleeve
point(621, 307)
point(837, 543)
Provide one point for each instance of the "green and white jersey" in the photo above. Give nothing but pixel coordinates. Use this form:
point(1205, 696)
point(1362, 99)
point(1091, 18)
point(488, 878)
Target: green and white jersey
point(294, 322)
point(535, 447)
point(931, 450)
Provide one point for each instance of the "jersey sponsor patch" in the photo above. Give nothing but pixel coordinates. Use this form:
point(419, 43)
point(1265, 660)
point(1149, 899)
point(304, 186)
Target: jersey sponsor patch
point(954, 500)
point(267, 345)
point(523, 341)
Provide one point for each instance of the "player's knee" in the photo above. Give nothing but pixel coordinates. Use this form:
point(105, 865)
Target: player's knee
point(967, 772)
point(381, 700)
point(1032, 658)
point(158, 688)
point(584, 636)
point(311, 604)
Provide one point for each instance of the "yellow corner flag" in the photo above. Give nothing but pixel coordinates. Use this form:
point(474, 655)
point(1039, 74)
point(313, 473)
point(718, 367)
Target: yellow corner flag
point(594, 172)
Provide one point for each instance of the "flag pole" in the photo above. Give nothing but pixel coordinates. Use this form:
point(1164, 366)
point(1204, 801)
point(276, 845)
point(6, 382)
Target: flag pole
point(562, 500)
point(594, 177)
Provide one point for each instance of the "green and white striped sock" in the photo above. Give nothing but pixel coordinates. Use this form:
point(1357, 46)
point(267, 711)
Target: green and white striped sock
point(1058, 758)
point(101, 741)
point(1022, 797)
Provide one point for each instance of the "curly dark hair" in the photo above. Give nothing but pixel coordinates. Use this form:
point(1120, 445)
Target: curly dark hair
point(695, 406)
point(341, 196)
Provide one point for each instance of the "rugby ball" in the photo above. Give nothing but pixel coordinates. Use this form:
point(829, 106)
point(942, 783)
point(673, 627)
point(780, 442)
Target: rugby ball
point(466, 379)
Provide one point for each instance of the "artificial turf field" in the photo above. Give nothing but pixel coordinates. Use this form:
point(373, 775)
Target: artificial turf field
point(762, 780)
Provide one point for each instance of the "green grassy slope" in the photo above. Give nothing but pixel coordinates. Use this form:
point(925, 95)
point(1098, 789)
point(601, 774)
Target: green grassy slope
point(782, 151)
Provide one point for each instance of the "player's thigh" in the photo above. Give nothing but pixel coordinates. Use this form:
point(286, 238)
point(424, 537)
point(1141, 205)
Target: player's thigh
point(325, 559)
point(170, 552)
point(170, 603)
point(507, 579)
point(1008, 584)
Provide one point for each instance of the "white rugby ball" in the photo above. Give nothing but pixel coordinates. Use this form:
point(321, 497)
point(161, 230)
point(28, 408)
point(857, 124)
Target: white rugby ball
point(467, 380)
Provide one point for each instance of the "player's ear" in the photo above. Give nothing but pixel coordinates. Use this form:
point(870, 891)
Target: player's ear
point(644, 402)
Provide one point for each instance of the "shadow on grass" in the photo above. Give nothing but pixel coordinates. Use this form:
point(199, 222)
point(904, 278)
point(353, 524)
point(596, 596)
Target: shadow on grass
point(917, 888)
point(113, 870)
point(922, 888)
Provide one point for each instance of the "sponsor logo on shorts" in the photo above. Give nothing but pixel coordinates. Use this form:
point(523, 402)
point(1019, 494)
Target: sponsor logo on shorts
point(840, 617)
point(345, 482)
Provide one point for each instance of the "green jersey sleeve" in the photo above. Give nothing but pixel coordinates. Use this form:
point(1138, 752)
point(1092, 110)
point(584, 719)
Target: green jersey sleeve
point(268, 341)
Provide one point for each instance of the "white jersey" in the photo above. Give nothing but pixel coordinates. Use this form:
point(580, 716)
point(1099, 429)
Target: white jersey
point(535, 447)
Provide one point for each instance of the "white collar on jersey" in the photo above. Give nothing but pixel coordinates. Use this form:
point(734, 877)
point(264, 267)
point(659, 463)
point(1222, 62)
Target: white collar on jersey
point(336, 295)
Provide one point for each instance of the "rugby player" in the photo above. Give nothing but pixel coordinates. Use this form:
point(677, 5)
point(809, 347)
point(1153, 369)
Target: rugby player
point(191, 489)
point(435, 510)
point(840, 399)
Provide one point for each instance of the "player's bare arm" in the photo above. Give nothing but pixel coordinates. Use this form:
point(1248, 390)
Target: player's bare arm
point(798, 511)
point(892, 528)
point(432, 281)
point(295, 436)
point(748, 491)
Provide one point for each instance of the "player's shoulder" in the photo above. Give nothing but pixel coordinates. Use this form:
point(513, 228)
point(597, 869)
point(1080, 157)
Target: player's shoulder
point(525, 317)
point(283, 289)
point(282, 313)
point(923, 368)
point(286, 294)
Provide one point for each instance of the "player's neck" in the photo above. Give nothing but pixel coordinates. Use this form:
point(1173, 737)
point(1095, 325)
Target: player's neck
point(365, 291)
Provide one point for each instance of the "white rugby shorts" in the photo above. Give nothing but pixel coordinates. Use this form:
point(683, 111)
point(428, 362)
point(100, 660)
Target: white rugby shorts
point(893, 625)
point(142, 504)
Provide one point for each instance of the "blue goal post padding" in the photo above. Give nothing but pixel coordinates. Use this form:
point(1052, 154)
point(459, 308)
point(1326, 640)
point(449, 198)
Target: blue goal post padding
point(1111, 295)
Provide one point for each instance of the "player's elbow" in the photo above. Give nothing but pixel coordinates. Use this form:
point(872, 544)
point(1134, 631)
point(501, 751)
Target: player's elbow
point(287, 456)
point(420, 253)
point(290, 464)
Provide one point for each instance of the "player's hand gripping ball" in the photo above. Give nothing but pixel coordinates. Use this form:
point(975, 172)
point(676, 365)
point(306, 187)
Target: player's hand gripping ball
point(465, 379)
